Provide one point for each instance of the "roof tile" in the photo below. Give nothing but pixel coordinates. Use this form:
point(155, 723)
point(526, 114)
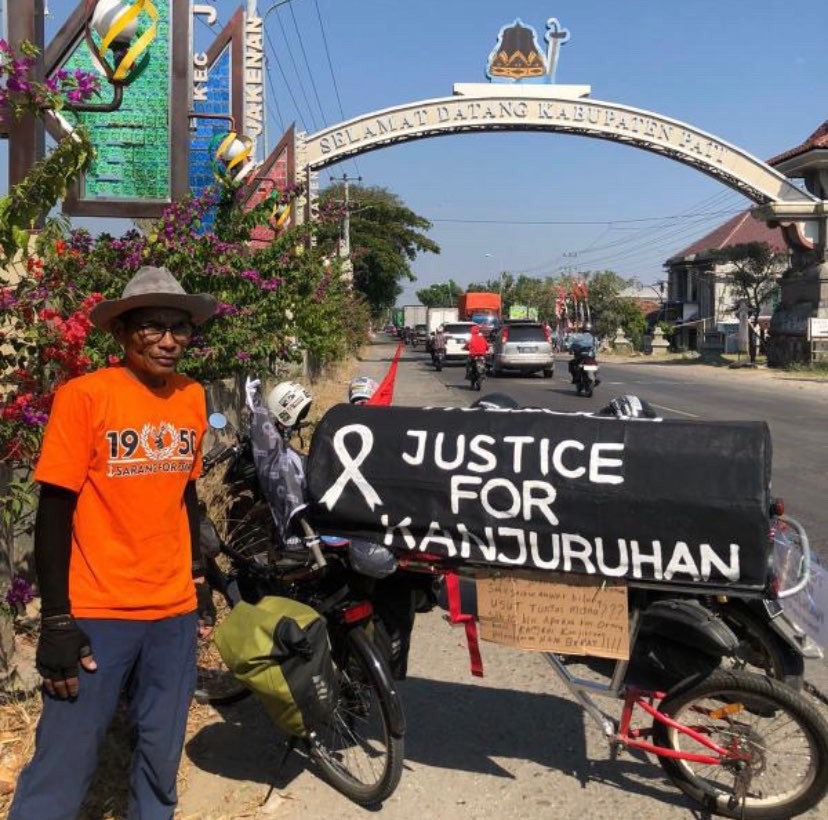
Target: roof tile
point(738, 230)
point(819, 139)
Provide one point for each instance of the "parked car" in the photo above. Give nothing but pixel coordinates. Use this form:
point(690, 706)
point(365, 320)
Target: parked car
point(523, 346)
point(420, 335)
point(391, 330)
point(457, 337)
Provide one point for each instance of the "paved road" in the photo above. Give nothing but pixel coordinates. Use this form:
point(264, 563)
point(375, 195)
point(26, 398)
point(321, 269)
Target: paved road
point(514, 743)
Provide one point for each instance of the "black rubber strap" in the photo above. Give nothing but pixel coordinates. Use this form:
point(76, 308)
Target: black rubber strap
point(52, 547)
point(194, 519)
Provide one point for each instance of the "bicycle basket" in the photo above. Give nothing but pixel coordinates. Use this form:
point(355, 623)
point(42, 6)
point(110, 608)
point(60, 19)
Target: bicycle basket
point(279, 648)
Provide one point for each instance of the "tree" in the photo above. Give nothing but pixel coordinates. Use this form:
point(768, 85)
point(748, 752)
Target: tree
point(385, 236)
point(755, 269)
point(609, 309)
point(443, 294)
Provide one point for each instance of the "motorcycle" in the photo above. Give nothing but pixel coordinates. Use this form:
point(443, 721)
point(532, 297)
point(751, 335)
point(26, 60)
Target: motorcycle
point(438, 355)
point(269, 548)
point(586, 375)
point(768, 639)
point(476, 371)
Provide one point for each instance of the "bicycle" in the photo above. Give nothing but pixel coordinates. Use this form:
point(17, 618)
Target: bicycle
point(359, 748)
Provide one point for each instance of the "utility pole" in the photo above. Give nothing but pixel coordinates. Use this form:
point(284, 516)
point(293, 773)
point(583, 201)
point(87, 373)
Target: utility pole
point(345, 235)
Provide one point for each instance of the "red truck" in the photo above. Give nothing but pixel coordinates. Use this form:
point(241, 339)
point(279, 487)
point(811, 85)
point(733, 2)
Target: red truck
point(482, 308)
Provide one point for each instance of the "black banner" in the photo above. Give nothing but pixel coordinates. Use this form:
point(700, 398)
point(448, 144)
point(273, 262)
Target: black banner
point(682, 502)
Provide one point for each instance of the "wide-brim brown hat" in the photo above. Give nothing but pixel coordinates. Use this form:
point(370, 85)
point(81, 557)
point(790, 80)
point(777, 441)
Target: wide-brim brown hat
point(153, 287)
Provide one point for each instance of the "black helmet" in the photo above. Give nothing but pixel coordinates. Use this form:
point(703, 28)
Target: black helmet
point(496, 401)
point(629, 406)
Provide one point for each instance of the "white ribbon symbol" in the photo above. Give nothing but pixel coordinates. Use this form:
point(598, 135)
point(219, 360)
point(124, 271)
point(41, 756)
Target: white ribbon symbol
point(351, 465)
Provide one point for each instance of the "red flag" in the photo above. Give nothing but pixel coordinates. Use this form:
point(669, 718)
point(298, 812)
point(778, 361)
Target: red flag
point(385, 392)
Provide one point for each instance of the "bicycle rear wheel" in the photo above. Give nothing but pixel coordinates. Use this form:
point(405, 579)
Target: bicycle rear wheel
point(778, 745)
point(359, 748)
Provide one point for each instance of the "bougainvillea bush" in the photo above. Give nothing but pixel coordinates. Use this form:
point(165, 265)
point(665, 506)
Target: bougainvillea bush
point(274, 302)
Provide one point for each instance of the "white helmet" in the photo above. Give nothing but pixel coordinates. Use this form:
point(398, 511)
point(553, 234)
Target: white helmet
point(361, 389)
point(289, 403)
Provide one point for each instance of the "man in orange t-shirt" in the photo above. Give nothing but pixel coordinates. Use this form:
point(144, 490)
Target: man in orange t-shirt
point(117, 556)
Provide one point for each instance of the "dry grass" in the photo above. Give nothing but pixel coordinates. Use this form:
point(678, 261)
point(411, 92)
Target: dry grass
point(108, 795)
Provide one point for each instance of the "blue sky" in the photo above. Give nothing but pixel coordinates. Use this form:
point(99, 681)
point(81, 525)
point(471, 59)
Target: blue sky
point(737, 69)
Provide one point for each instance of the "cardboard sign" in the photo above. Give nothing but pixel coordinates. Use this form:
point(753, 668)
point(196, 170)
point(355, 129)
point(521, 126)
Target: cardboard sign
point(678, 502)
point(571, 616)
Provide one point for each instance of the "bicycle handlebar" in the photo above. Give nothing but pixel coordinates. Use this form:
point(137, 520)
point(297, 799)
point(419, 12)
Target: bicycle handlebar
point(219, 454)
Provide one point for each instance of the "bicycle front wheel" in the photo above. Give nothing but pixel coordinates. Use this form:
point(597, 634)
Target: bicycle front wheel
point(359, 748)
point(777, 746)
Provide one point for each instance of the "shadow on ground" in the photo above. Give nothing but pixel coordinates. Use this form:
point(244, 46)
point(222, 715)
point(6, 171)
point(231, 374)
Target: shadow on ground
point(451, 726)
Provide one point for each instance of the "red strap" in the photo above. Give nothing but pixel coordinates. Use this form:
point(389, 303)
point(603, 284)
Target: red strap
point(475, 659)
point(458, 617)
point(384, 394)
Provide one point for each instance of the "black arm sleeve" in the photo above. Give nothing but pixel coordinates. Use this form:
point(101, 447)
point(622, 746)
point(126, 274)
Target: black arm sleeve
point(194, 518)
point(52, 546)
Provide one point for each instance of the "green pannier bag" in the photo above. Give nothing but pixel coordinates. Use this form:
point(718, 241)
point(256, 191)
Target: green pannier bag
point(279, 648)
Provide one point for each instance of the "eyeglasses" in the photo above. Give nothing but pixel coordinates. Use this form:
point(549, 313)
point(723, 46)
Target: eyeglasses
point(155, 331)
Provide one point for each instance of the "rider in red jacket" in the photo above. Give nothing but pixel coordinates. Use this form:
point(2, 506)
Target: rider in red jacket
point(477, 346)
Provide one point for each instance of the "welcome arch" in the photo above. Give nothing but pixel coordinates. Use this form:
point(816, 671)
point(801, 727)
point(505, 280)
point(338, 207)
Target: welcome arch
point(492, 110)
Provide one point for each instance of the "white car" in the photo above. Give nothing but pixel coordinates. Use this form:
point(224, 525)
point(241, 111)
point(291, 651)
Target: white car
point(457, 337)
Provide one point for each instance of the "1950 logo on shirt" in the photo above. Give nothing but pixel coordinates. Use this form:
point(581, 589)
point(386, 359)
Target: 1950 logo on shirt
point(161, 447)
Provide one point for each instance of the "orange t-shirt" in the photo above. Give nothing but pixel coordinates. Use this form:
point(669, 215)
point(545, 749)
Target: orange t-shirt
point(128, 451)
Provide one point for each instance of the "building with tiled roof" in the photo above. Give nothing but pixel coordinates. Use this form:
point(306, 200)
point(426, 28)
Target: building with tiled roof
point(700, 293)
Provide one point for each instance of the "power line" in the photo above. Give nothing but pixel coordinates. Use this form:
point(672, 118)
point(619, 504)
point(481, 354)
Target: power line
point(296, 70)
point(330, 63)
point(333, 73)
point(649, 249)
point(285, 80)
point(608, 222)
point(307, 66)
point(275, 99)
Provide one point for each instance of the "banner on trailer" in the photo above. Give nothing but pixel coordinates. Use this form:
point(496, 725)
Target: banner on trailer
point(669, 501)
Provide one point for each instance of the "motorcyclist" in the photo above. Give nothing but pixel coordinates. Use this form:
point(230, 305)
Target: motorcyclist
point(438, 343)
point(477, 346)
point(582, 346)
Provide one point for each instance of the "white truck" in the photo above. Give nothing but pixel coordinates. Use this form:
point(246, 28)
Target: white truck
point(414, 315)
point(440, 316)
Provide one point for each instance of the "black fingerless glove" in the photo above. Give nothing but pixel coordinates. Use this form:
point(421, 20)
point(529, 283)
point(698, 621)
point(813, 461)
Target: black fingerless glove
point(204, 604)
point(61, 645)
